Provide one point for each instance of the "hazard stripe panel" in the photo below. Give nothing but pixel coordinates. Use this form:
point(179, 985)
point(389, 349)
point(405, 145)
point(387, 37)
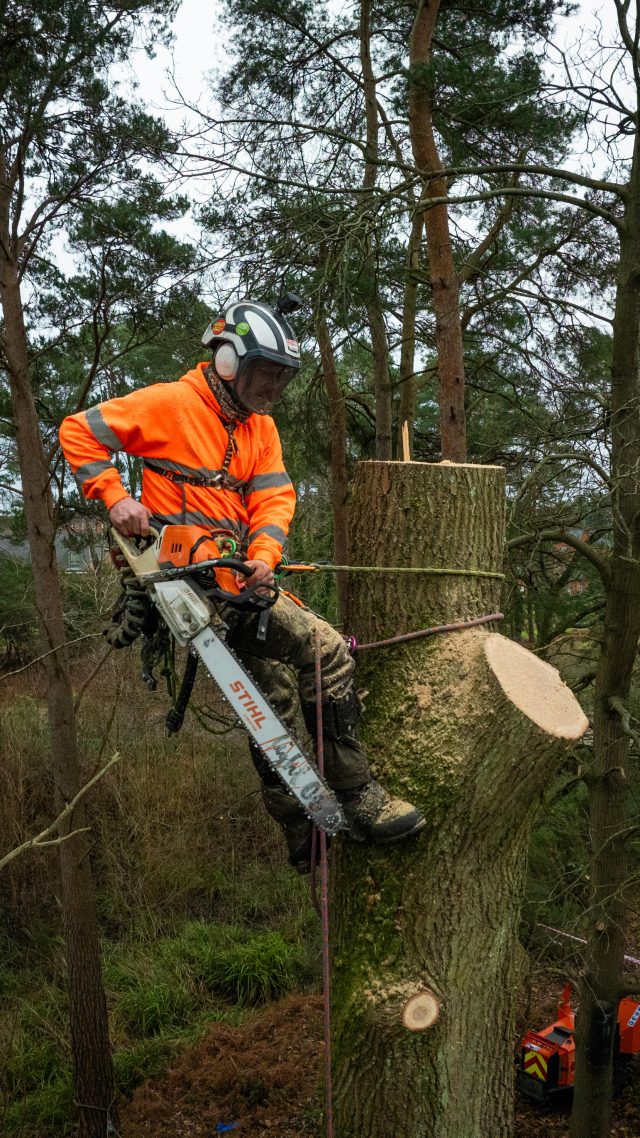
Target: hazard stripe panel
point(535, 1065)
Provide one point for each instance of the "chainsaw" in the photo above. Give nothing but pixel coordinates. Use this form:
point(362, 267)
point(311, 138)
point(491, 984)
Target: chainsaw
point(184, 585)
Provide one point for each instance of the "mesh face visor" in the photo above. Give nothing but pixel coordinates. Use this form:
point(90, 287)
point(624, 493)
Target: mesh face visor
point(260, 383)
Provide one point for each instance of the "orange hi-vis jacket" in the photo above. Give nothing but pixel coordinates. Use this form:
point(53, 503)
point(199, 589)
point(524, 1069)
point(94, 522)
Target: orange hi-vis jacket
point(180, 433)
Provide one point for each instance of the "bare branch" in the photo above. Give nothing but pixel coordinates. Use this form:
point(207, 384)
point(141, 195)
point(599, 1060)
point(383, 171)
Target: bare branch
point(566, 538)
point(42, 839)
point(524, 192)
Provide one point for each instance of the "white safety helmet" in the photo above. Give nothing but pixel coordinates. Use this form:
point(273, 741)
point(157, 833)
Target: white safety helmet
point(255, 351)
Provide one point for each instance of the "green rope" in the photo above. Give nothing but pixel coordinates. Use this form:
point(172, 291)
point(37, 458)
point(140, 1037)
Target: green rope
point(404, 569)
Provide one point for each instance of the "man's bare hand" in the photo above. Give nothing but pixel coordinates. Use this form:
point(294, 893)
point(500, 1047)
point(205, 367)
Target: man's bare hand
point(262, 574)
point(130, 518)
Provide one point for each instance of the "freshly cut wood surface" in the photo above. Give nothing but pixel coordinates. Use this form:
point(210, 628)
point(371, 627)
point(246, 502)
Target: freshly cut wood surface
point(535, 688)
point(421, 1011)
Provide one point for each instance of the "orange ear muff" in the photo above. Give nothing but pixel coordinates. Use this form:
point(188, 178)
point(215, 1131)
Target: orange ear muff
point(225, 361)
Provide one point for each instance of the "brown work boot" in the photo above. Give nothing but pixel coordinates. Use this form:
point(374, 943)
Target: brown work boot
point(374, 815)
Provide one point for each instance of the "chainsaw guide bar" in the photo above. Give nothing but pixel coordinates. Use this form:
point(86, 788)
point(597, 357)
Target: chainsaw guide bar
point(274, 740)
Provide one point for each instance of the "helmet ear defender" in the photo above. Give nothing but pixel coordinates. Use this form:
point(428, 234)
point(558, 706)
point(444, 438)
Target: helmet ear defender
point(225, 361)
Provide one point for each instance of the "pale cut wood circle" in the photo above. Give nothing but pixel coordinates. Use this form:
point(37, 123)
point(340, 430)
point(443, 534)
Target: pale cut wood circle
point(421, 1011)
point(535, 688)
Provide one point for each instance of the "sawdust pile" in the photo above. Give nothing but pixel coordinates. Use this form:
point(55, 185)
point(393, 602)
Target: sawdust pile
point(266, 1077)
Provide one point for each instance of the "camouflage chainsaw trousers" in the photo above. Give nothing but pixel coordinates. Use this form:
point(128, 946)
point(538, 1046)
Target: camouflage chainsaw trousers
point(283, 666)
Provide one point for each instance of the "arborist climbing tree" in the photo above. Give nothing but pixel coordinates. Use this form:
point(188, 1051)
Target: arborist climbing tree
point(212, 459)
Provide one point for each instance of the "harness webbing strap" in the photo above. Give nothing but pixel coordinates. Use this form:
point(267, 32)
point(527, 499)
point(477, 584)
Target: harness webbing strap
point(216, 479)
point(175, 715)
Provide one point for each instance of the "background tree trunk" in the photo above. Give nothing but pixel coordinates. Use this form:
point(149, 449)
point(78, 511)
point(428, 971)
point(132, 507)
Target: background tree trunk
point(370, 280)
point(338, 446)
point(444, 279)
point(470, 727)
point(407, 408)
point(609, 821)
point(92, 1064)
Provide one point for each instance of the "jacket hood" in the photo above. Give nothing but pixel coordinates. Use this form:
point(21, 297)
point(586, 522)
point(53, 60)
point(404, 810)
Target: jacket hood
point(197, 379)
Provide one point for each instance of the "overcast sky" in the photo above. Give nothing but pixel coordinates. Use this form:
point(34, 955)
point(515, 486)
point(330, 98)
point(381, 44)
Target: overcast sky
point(201, 48)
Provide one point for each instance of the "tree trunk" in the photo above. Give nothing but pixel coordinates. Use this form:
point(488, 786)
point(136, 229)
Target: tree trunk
point(407, 409)
point(369, 279)
point(338, 444)
point(444, 279)
point(93, 1072)
point(601, 985)
point(470, 727)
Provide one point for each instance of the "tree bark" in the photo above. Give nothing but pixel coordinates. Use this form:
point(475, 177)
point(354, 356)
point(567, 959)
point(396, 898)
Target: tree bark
point(339, 478)
point(92, 1064)
point(444, 279)
point(609, 822)
point(470, 727)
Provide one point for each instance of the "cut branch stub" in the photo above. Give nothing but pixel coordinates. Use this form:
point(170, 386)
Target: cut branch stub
point(421, 1011)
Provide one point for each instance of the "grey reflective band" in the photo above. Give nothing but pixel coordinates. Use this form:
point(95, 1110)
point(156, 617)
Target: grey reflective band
point(195, 518)
point(101, 430)
point(267, 482)
point(92, 470)
point(271, 531)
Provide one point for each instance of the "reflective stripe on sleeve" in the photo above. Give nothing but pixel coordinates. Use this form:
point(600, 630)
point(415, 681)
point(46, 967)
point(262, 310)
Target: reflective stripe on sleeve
point(101, 430)
point(267, 482)
point(92, 470)
point(270, 531)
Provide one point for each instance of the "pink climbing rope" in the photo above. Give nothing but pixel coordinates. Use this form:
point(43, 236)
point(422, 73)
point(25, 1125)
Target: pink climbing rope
point(323, 907)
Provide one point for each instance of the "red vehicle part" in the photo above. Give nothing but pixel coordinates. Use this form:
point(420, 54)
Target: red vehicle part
point(546, 1064)
point(629, 1026)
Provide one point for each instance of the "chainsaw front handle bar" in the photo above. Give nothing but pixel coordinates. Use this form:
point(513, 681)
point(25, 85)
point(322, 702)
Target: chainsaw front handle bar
point(253, 595)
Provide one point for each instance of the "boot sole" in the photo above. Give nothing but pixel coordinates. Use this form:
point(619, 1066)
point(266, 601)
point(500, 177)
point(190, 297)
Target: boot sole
point(359, 835)
point(400, 837)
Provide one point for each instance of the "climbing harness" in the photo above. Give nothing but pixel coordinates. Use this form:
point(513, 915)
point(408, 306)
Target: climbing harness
point(188, 608)
point(212, 479)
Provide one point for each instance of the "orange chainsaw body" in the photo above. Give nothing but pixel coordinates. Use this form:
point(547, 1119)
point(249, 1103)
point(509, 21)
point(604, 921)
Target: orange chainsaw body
point(181, 546)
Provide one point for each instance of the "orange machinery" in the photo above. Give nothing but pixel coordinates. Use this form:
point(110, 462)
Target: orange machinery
point(546, 1063)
